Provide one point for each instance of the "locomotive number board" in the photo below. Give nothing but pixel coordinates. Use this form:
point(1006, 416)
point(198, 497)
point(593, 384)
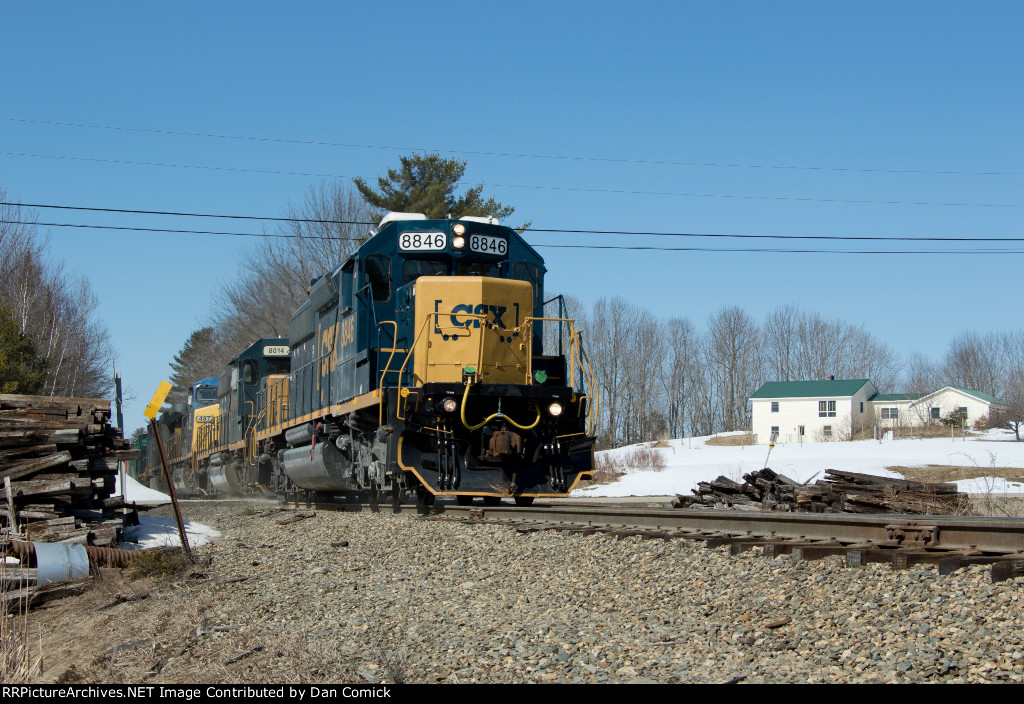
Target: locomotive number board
point(488, 244)
point(422, 241)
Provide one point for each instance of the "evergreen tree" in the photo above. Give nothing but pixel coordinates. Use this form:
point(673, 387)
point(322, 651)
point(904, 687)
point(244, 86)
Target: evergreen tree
point(426, 184)
point(198, 358)
point(22, 369)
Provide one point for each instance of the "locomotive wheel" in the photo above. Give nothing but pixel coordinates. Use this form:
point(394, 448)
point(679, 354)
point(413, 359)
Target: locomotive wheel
point(492, 501)
point(524, 501)
point(464, 499)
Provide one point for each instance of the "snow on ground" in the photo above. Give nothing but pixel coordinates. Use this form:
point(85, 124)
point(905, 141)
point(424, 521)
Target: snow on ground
point(140, 494)
point(692, 460)
point(162, 531)
point(159, 531)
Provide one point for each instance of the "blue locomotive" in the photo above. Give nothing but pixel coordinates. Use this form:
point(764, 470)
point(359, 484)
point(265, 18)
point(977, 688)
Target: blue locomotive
point(418, 366)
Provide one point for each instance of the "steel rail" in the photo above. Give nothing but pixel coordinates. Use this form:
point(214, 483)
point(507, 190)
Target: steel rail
point(967, 534)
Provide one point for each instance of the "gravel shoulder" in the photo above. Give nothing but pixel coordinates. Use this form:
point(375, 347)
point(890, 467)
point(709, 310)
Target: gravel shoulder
point(361, 597)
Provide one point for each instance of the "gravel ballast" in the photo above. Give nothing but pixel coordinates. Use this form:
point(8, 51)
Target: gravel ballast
point(387, 597)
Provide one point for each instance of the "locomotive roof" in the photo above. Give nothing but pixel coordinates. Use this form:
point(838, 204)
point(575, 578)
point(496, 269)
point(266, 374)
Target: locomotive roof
point(387, 238)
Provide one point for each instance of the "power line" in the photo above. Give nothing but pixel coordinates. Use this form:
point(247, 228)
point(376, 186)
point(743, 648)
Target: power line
point(570, 189)
point(518, 155)
point(184, 214)
point(838, 238)
point(184, 232)
point(550, 246)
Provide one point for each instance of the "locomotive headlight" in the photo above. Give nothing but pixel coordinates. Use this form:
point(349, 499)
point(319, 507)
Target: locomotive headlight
point(459, 229)
point(458, 241)
point(555, 409)
point(449, 405)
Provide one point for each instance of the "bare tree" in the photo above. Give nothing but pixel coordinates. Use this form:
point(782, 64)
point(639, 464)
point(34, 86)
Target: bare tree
point(733, 352)
point(682, 372)
point(56, 311)
point(922, 375)
point(275, 276)
point(976, 362)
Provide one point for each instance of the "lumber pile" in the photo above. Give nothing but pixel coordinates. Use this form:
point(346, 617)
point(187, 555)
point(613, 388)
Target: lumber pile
point(838, 492)
point(850, 492)
point(763, 490)
point(58, 467)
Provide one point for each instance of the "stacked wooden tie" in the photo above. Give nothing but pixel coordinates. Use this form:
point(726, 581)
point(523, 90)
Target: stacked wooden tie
point(58, 465)
point(850, 492)
point(838, 492)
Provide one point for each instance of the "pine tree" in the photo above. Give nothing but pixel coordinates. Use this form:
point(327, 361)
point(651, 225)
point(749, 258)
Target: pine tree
point(426, 184)
point(198, 358)
point(22, 369)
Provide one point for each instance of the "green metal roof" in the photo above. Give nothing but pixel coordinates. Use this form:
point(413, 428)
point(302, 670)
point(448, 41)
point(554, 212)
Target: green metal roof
point(982, 395)
point(895, 397)
point(810, 389)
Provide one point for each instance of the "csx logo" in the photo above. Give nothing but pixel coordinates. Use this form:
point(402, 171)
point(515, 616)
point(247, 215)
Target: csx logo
point(466, 315)
point(346, 333)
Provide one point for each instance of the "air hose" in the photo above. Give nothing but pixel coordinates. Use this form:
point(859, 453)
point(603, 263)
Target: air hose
point(499, 414)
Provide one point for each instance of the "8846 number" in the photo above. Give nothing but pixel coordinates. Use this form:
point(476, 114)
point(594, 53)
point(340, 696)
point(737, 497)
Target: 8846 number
point(419, 241)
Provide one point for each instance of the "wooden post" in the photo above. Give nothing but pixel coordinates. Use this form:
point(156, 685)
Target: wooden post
point(12, 522)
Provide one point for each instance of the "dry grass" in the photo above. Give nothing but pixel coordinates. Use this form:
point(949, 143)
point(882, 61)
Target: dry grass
point(608, 469)
point(953, 473)
point(158, 563)
point(731, 440)
point(17, 665)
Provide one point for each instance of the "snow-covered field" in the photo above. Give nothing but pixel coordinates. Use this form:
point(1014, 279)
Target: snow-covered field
point(692, 460)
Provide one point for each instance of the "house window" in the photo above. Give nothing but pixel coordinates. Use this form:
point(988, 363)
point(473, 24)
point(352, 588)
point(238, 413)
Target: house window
point(861, 406)
point(775, 432)
point(826, 409)
point(890, 414)
point(936, 413)
point(775, 406)
point(800, 430)
point(826, 431)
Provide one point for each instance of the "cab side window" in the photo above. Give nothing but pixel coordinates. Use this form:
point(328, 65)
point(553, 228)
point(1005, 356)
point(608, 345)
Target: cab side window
point(528, 271)
point(377, 273)
point(250, 372)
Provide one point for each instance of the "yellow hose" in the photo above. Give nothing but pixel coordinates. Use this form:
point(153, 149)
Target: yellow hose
point(488, 419)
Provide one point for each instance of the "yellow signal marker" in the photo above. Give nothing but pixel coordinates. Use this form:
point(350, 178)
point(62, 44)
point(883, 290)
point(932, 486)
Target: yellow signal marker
point(158, 400)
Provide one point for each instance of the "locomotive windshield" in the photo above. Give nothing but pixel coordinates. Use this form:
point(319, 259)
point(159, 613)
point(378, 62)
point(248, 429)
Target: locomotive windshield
point(412, 269)
point(478, 268)
point(206, 395)
point(278, 365)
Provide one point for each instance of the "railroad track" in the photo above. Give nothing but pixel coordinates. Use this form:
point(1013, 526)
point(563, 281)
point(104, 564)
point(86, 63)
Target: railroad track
point(951, 542)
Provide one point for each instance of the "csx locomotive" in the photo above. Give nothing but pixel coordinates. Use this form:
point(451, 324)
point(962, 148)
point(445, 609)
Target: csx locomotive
point(417, 366)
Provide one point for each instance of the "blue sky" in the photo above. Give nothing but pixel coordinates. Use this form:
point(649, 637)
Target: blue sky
point(873, 92)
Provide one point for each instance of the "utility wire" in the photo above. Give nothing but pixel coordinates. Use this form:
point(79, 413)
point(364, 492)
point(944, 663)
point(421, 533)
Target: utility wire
point(551, 246)
point(571, 189)
point(562, 157)
point(838, 238)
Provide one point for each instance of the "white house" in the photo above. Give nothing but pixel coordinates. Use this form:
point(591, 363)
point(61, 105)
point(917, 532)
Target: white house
point(914, 411)
point(835, 409)
point(810, 411)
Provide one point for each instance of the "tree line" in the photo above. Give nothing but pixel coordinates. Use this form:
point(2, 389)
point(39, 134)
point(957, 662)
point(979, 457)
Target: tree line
point(656, 378)
point(51, 342)
point(671, 378)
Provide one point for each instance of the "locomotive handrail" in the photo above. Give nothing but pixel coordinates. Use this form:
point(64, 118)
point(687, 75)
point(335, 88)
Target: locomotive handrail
point(577, 355)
